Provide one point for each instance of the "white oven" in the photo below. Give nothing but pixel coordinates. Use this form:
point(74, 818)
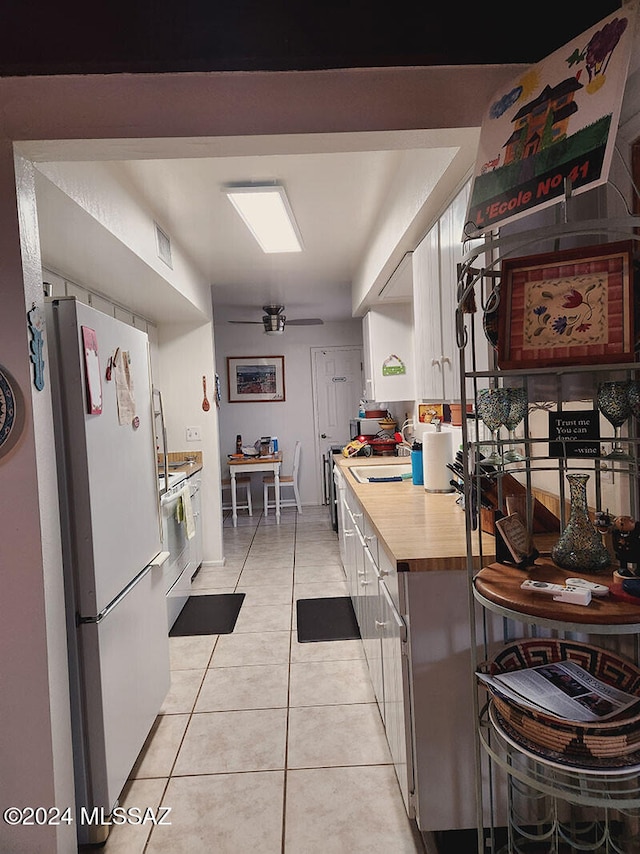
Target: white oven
point(177, 574)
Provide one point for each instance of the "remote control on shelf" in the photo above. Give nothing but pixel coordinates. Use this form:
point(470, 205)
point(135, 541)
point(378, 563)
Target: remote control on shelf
point(573, 595)
point(596, 589)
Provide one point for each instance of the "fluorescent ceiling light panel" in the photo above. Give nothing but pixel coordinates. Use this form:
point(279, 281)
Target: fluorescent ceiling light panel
point(267, 214)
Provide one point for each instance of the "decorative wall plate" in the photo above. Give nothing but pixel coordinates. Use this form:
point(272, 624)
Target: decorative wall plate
point(11, 412)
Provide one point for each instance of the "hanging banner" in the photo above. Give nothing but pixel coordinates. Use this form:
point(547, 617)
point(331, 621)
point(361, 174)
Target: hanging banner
point(558, 120)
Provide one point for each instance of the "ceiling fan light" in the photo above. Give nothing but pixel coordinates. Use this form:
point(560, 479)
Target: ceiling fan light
point(274, 323)
point(266, 212)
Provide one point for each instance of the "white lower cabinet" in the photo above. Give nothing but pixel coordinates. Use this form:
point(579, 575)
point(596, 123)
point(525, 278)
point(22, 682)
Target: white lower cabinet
point(383, 631)
point(370, 628)
point(416, 635)
point(395, 678)
point(195, 544)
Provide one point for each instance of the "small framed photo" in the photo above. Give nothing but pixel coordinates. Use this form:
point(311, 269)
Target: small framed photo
point(256, 379)
point(573, 307)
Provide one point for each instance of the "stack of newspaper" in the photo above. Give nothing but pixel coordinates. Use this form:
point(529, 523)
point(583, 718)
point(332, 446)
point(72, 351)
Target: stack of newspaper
point(563, 689)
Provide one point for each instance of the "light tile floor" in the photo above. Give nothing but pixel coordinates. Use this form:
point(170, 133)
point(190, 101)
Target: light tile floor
point(265, 744)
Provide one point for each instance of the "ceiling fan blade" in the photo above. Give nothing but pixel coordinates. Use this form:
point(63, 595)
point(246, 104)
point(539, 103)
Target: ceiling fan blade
point(305, 321)
point(259, 322)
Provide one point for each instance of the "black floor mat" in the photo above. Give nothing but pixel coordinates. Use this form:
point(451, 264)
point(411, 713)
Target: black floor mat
point(208, 615)
point(328, 619)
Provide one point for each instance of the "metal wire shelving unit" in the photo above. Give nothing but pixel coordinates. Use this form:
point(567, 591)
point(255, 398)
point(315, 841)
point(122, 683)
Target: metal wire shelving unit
point(551, 806)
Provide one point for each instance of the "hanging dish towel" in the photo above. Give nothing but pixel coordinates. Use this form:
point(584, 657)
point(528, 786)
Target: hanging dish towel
point(184, 512)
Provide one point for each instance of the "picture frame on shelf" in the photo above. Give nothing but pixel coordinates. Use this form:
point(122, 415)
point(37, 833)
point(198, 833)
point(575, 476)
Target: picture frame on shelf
point(572, 307)
point(256, 379)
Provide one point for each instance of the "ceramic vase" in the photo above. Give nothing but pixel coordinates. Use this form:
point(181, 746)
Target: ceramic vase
point(580, 547)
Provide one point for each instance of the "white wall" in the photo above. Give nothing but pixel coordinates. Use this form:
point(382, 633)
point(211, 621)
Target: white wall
point(290, 420)
point(185, 355)
point(35, 744)
point(101, 234)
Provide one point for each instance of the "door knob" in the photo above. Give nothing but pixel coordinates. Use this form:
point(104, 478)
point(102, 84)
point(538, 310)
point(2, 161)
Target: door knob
point(323, 435)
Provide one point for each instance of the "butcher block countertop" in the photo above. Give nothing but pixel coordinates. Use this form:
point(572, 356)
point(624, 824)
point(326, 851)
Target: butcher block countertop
point(423, 530)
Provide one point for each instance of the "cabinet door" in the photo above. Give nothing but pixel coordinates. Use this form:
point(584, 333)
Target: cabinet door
point(395, 675)
point(388, 346)
point(426, 311)
point(350, 547)
point(195, 544)
point(435, 298)
point(451, 228)
point(360, 585)
point(343, 518)
point(371, 632)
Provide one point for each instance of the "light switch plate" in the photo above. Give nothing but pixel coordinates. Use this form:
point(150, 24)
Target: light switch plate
point(193, 434)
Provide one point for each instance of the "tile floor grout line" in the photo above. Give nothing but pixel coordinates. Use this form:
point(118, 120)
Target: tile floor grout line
point(285, 781)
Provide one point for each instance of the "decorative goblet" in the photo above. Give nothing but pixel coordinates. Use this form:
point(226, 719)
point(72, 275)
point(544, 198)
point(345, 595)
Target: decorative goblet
point(613, 403)
point(518, 403)
point(634, 397)
point(493, 406)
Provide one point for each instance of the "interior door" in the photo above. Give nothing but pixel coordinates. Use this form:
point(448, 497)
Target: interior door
point(337, 388)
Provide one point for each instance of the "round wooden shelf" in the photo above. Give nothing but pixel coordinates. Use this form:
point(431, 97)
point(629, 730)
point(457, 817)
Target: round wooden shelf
point(498, 587)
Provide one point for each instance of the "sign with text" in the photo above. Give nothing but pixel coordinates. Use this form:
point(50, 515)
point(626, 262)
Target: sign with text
point(574, 434)
point(555, 122)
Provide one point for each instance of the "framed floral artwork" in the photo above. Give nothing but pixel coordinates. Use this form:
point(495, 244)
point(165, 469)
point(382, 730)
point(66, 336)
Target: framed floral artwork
point(573, 307)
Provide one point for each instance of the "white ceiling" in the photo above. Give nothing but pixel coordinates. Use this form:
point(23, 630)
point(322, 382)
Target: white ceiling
point(340, 187)
point(336, 198)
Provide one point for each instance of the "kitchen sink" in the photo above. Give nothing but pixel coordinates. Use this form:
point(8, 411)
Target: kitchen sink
point(381, 474)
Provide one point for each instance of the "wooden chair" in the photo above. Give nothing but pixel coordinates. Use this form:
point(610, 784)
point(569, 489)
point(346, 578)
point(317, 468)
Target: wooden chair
point(291, 481)
point(243, 481)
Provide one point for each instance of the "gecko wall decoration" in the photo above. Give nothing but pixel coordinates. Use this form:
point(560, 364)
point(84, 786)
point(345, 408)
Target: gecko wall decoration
point(36, 347)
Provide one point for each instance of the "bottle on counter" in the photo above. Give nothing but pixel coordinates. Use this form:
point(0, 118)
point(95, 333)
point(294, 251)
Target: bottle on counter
point(417, 471)
point(238, 444)
point(274, 444)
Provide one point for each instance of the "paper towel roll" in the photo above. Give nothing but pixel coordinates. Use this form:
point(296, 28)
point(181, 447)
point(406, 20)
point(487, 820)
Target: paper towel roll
point(437, 451)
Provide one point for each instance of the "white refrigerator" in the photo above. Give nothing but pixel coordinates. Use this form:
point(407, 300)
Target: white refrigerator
point(112, 548)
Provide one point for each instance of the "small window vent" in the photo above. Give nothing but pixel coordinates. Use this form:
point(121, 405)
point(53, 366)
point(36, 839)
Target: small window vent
point(164, 246)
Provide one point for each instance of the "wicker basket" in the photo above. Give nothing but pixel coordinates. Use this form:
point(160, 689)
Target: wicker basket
point(579, 740)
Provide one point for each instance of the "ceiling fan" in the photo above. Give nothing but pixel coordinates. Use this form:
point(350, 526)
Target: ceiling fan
point(274, 321)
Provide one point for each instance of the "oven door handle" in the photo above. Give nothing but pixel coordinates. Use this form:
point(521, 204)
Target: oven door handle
point(169, 501)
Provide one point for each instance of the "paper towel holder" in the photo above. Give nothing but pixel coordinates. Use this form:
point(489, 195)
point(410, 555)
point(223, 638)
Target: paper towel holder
point(436, 474)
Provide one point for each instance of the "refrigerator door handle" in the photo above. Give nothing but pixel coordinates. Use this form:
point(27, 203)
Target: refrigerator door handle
point(98, 618)
point(163, 435)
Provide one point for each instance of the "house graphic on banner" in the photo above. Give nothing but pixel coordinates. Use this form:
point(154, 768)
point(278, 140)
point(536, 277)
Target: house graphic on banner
point(543, 121)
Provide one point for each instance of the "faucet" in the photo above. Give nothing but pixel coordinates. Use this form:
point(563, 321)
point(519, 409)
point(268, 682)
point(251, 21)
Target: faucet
point(403, 448)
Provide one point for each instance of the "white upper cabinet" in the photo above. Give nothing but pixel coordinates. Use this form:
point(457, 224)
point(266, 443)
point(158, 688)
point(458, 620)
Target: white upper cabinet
point(435, 275)
point(388, 353)
point(426, 310)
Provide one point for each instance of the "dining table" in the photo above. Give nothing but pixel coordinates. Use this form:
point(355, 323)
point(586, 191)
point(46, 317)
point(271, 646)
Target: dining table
point(246, 465)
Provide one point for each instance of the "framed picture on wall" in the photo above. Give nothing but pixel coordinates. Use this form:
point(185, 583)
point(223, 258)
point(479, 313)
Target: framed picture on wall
point(256, 379)
point(573, 307)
